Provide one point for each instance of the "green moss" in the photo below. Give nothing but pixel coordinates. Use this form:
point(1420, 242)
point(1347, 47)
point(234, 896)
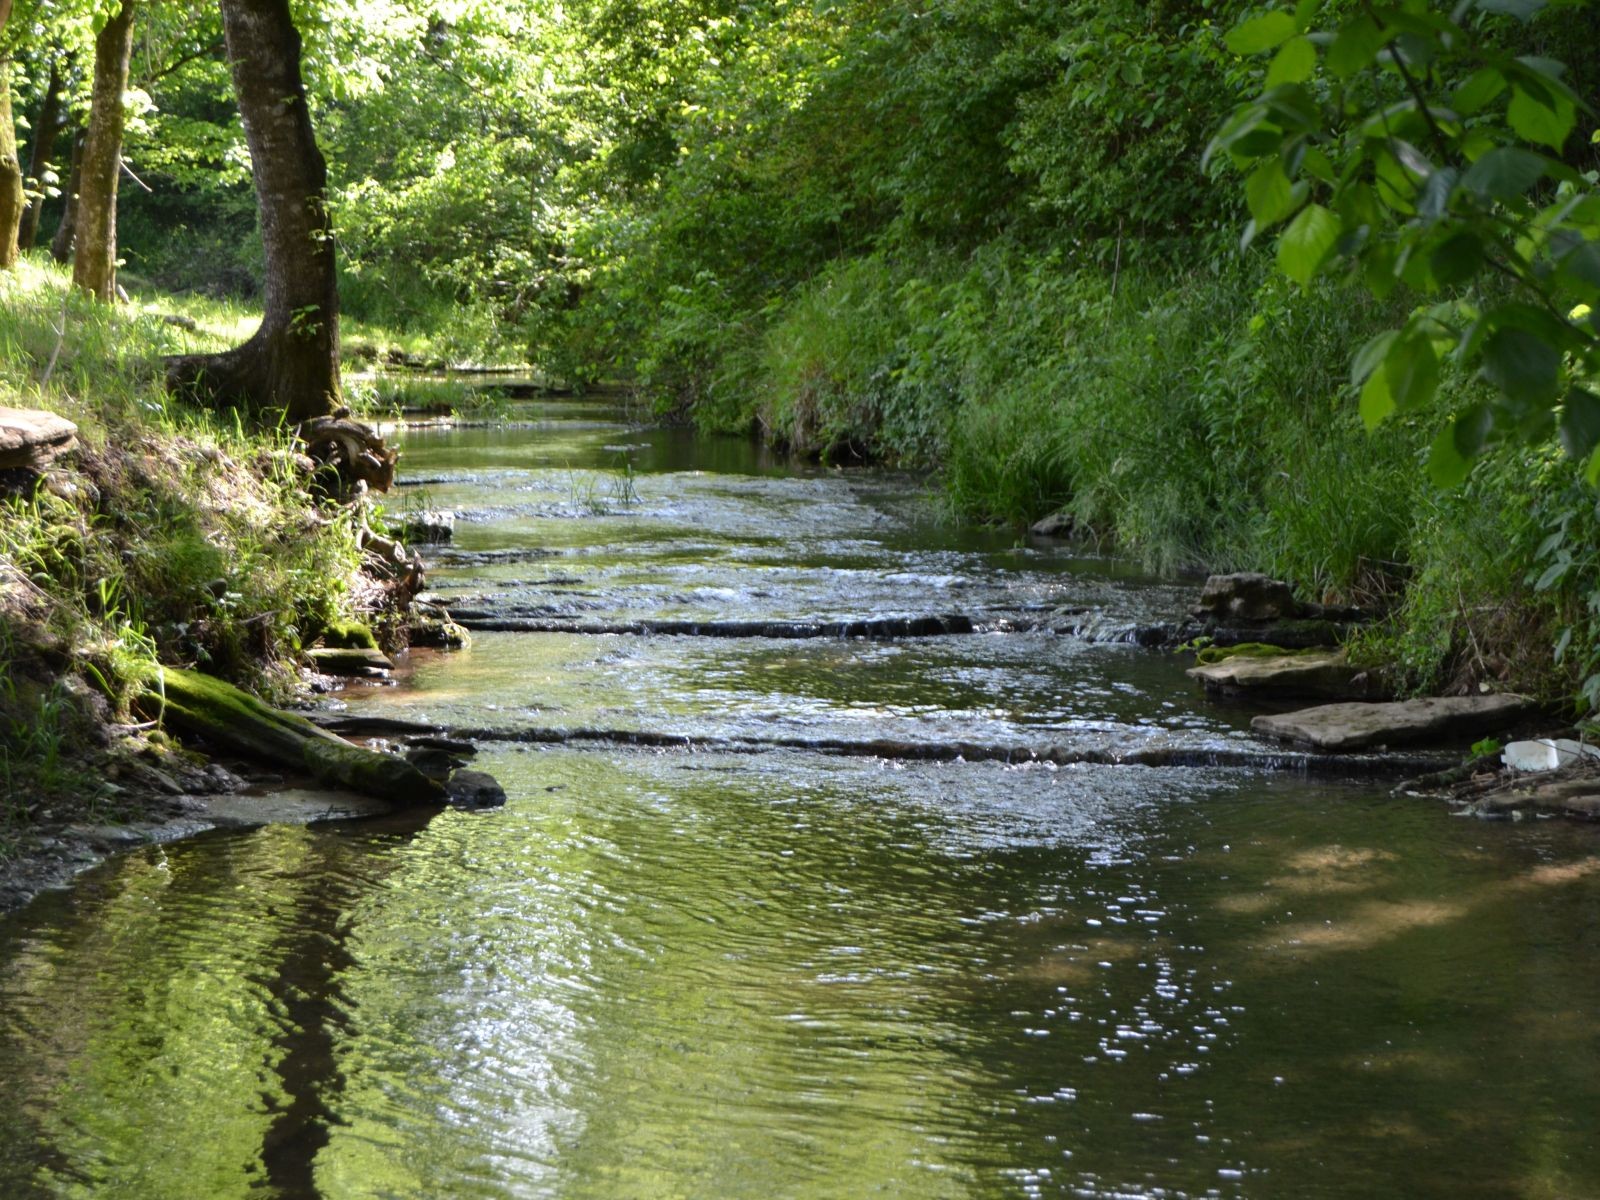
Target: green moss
point(348, 635)
point(1211, 655)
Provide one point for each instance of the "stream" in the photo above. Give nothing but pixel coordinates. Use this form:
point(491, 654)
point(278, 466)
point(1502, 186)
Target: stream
point(741, 938)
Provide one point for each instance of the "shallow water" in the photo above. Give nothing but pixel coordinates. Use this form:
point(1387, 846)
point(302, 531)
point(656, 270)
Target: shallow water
point(777, 973)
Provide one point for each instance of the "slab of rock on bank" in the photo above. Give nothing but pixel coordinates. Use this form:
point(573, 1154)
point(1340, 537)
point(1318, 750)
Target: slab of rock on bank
point(1268, 671)
point(31, 439)
point(1337, 728)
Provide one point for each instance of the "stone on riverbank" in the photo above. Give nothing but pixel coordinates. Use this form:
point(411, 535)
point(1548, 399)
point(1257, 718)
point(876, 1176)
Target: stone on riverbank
point(31, 438)
point(356, 662)
point(1057, 525)
point(349, 635)
point(1327, 674)
point(1346, 727)
point(1569, 797)
point(1247, 596)
point(426, 528)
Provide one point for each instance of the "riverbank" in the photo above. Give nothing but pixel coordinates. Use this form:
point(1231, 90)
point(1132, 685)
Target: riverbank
point(1193, 416)
point(149, 535)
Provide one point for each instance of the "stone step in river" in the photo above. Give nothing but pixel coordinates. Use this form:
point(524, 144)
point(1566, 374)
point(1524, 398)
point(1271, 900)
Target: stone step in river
point(999, 913)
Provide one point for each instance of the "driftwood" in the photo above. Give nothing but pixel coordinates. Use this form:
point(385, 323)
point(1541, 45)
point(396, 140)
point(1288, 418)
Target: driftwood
point(226, 717)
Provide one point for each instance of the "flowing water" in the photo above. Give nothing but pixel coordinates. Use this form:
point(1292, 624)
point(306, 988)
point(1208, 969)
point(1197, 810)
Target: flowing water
point(754, 958)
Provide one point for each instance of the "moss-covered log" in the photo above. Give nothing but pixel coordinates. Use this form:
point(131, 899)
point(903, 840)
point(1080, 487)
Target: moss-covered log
point(224, 716)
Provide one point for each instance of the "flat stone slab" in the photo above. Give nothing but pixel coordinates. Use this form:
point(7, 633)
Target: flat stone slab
point(31, 437)
point(1344, 727)
point(1327, 674)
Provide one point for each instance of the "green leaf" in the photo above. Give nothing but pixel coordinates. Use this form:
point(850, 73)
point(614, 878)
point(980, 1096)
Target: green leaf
point(1261, 33)
point(1269, 194)
point(1592, 471)
point(1377, 402)
point(1447, 466)
point(1295, 62)
point(1581, 265)
point(1306, 244)
point(1580, 423)
point(1536, 121)
point(1412, 371)
point(1371, 356)
point(1522, 365)
point(1472, 428)
point(1478, 92)
point(1505, 172)
point(1355, 47)
point(1457, 260)
point(1305, 12)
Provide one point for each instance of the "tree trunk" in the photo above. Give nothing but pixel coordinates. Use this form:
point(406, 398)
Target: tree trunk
point(292, 362)
point(94, 265)
point(67, 231)
point(11, 194)
point(46, 129)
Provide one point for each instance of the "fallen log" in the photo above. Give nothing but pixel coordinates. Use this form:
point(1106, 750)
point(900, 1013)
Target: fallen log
point(224, 716)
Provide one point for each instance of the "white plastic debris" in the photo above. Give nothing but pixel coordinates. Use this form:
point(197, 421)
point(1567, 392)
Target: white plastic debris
point(1546, 754)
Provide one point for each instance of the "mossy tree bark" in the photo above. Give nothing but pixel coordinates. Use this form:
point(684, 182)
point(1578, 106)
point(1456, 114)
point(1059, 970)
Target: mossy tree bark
point(47, 129)
point(11, 193)
point(292, 362)
point(94, 263)
point(234, 720)
point(11, 197)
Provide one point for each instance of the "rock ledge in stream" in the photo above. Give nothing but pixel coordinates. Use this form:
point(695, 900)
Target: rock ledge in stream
point(1340, 728)
point(1326, 674)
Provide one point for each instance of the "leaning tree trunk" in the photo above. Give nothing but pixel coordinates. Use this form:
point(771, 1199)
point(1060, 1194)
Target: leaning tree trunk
point(12, 197)
point(292, 362)
point(67, 230)
point(94, 265)
point(46, 129)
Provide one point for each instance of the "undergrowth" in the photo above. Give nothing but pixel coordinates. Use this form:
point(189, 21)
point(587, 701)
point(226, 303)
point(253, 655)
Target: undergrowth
point(171, 535)
point(1195, 415)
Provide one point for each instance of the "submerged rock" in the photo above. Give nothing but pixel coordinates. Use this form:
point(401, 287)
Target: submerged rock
point(1346, 727)
point(475, 789)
